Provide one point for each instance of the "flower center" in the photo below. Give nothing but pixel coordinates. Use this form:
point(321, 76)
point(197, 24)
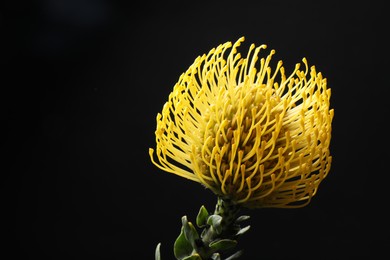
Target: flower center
point(238, 134)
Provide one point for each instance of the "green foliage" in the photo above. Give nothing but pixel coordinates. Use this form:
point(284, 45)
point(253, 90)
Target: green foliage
point(182, 248)
point(190, 232)
point(242, 230)
point(217, 239)
point(157, 254)
point(223, 244)
point(242, 218)
point(215, 222)
point(193, 257)
point(201, 218)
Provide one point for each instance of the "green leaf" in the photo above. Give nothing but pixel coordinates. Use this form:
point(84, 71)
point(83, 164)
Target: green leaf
point(216, 256)
point(201, 218)
point(241, 219)
point(157, 255)
point(215, 222)
point(243, 230)
point(182, 248)
point(223, 244)
point(193, 257)
point(190, 232)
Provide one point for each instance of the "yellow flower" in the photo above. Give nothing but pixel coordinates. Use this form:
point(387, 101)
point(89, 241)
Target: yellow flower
point(246, 132)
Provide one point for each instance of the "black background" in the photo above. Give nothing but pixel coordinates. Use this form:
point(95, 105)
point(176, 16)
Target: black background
point(82, 83)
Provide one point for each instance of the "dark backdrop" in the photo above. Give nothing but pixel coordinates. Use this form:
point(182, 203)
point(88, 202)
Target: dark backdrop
point(82, 83)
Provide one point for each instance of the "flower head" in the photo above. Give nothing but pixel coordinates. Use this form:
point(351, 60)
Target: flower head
point(246, 131)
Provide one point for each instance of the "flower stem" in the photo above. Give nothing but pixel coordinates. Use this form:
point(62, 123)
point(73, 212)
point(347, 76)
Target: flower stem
point(218, 238)
point(219, 235)
point(228, 212)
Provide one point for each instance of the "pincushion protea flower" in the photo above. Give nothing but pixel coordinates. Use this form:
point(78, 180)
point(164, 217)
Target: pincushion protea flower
point(246, 131)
